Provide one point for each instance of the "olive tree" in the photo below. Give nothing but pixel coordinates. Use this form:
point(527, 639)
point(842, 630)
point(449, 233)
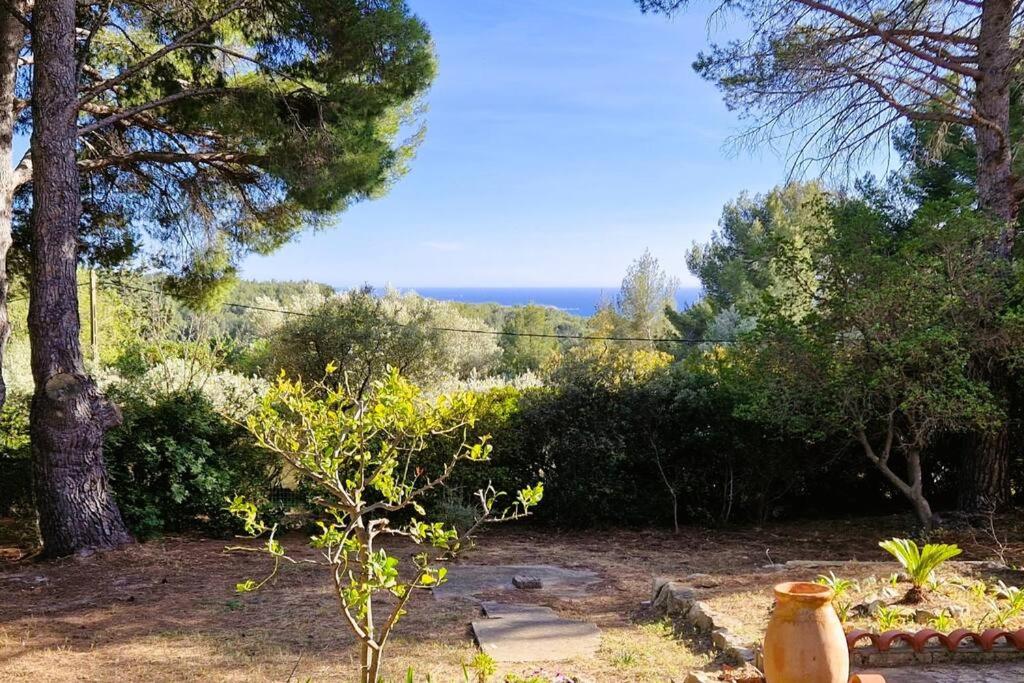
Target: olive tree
point(884, 355)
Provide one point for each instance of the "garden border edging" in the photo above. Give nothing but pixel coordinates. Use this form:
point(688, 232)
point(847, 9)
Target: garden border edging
point(677, 599)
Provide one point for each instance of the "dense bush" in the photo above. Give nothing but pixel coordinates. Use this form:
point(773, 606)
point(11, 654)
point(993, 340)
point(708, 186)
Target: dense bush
point(174, 462)
point(15, 456)
point(620, 439)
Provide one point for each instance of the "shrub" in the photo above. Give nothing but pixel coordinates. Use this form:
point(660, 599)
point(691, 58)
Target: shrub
point(15, 456)
point(919, 563)
point(175, 460)
point(229, 393)
point(362, 450)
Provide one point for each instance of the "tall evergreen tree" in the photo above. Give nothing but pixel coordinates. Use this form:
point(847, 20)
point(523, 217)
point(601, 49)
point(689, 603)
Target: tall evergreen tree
point(832, 80)
point(207, 130)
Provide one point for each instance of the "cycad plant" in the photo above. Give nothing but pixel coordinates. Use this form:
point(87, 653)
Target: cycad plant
point(840, 587)
point(919, 563)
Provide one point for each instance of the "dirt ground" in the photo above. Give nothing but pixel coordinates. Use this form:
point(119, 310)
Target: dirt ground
point(166, 610)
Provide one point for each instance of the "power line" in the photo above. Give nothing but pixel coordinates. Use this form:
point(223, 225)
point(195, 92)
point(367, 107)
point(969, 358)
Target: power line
point(497, 333)
point(25, 298)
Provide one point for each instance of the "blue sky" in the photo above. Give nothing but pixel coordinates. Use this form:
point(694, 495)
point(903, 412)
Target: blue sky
point(564, 138)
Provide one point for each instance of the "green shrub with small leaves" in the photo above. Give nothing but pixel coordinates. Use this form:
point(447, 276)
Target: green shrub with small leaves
point(174, 459)
point(362, 451)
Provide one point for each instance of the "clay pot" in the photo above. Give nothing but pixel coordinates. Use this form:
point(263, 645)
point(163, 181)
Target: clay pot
point(805, 642)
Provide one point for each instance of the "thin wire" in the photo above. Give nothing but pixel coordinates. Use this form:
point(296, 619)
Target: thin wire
point(24, 298)
point(498, 333)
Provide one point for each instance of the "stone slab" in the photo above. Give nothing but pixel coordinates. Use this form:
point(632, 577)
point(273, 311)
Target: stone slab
point(530, 633)
point(505, 610)
point(468, 581)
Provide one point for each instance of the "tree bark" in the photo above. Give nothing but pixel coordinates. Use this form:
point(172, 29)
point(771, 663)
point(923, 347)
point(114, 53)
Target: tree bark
point(12, 35)
point(69, 414)
point(913, 486)
point(984, 469)
point(996, 58)
point(984, 473)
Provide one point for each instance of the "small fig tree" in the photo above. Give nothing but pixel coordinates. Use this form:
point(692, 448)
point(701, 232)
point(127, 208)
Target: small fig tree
point(360, 450)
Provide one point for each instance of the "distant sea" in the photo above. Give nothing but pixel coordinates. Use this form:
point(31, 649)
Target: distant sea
point(576, 300)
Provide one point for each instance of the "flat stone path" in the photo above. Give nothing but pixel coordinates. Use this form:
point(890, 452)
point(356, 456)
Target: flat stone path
point(1009, 672)
point(531, 633)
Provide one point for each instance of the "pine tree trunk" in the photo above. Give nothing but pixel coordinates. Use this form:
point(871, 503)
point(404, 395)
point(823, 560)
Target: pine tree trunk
point(983, 471)
point(984, 474)
point(996, 60)
point(69, 414)
point(12, 35)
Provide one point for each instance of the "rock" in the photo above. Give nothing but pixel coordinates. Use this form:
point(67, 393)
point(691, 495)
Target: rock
point(527, 582)
point(683, 593)
point(659, 583)
point(467, 581)
point(956, 611)
point(923, 616)
point(702, 580)
point(720, 638)
point(674, 598)
point(869, 607)
point(700, 677)
point(775, 567)
point(888, 593)
point(734, 649)
point(701, 617)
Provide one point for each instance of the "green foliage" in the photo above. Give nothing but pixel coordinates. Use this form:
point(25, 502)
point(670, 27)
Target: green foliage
point(1013, 595)
point(523, 353)
point(15, 456)
point(14, 436)
point(919, 563)
point(942, 622)
point(307, 106)
point(173, 461)
point(646, 292)
point(617, 431)
point(738, 266)
point(840, 587)
point(363, 452)
point(483, 667)
point(889, 371)
point(362, 334)
point(889, 618)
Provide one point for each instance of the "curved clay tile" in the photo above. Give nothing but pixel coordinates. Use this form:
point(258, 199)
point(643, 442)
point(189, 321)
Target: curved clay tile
point(859, 634)
point(867, 678)
point(886, 640)
point(919, 640)
point(954, 638)
point(1016, 638)
point(989, 637)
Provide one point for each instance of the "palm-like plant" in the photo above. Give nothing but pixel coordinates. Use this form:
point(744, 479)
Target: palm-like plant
point(919, 563)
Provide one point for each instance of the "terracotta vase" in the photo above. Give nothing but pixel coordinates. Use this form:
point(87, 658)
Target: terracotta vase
point(805, 642)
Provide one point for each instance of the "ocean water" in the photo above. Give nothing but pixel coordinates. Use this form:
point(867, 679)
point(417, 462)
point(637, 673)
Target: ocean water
point(576, 300)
